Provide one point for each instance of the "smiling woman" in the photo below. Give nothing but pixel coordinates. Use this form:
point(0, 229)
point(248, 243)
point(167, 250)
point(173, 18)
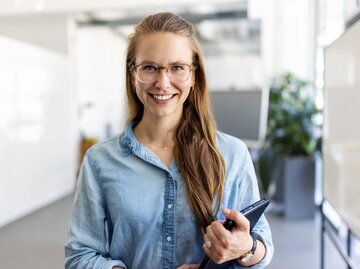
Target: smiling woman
point(163, 90)
point(151, 197)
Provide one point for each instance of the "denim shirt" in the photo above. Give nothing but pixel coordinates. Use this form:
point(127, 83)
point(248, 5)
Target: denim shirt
point(131, 210)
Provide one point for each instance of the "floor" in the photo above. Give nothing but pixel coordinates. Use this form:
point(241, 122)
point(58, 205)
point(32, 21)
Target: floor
point(297, 245)
point(36, 241)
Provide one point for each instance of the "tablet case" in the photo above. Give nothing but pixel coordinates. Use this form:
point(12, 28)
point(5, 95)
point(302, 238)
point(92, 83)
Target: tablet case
point(252, 213)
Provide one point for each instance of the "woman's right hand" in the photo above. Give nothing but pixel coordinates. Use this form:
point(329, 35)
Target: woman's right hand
point(189, 266)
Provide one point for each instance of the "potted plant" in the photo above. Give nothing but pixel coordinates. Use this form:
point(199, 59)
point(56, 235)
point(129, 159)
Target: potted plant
point(287, 160)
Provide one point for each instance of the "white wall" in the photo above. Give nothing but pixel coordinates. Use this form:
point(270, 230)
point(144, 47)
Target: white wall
point(47, 31)
point(288, 39)
point(236, 72)
point(341, 138)
point(38, 130)
point(100, 61)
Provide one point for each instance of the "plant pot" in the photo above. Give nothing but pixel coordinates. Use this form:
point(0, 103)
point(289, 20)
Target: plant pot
point(299, 187)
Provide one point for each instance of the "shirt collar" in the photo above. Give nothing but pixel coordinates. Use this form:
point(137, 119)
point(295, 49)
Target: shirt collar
point(128, 141)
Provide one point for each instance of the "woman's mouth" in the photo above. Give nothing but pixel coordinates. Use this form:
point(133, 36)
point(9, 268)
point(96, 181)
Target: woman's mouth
point(162, 97)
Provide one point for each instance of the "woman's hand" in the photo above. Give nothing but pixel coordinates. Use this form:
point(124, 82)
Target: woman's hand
point(222, 245)
point(189, 266)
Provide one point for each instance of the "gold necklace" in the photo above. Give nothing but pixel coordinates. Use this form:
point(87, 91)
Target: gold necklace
point(153, 144)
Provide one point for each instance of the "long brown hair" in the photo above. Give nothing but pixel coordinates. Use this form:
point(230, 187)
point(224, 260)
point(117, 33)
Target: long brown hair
point(196, 153)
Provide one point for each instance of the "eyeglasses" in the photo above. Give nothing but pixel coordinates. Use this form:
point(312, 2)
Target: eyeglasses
point(148, 73)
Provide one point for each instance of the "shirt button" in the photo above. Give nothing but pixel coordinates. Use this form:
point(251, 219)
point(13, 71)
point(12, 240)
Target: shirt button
point(170, 206)
point(168, 238)
point(169, 175)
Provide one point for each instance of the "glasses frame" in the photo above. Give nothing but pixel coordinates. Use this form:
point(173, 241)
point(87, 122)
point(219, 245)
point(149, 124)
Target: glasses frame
point(166, 68)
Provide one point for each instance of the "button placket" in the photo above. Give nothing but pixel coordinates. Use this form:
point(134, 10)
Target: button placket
point(168, 227)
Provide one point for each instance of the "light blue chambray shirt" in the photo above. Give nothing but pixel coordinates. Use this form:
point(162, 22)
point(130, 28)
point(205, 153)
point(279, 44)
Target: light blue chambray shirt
point(130, 210)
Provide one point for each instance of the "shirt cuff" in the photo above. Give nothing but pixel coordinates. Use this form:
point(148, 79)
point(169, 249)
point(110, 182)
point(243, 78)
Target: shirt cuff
point(268, 252)
point(263, 262)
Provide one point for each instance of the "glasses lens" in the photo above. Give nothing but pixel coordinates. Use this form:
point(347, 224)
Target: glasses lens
point(148, 73)
point(178, 72)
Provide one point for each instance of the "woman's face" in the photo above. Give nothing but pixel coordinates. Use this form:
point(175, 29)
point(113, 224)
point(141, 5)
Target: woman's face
point(163, 97)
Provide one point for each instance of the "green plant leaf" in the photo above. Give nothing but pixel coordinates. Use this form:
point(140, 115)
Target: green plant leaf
point(291, 128)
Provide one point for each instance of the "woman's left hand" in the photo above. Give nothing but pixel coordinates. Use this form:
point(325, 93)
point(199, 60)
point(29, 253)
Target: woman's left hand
point(222, 245)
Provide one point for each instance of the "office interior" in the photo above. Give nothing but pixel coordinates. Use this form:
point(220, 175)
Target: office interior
point(62, 90)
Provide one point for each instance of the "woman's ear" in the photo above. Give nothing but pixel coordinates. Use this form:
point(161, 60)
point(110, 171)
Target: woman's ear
point(133, 81)
point(192, 88)
point(193, 77)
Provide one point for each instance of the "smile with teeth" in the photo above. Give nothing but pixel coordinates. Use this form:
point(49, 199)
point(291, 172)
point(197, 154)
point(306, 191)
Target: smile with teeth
point(162, 97)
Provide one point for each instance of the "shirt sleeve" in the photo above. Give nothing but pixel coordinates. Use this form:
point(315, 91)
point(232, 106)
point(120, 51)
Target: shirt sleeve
point(87, 245)
point(249, 191)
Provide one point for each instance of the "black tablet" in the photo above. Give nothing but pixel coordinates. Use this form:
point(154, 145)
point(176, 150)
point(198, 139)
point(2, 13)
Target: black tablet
point(252, 213)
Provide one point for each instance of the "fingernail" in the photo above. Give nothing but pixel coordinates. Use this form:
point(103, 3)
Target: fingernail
point(226, 211)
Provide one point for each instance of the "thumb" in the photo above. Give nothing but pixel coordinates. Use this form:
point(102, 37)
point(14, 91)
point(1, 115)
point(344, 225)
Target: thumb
point(226, 212)
point(230, 213)
point(240, 220)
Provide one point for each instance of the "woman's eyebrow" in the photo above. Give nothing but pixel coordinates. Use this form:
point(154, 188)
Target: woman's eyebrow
point(148, 62)
point(171, 63)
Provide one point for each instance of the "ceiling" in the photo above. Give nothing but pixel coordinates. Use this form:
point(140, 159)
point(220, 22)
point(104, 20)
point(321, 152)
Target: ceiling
point(223, 25)
point(124, 7)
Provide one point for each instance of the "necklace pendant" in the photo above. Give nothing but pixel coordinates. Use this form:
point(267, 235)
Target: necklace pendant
point(165, 148)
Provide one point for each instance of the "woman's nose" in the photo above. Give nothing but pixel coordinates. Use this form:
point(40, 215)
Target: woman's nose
point(162, 81)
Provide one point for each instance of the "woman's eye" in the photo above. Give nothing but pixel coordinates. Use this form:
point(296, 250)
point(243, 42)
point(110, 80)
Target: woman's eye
point(149, 67)
point(177, 67)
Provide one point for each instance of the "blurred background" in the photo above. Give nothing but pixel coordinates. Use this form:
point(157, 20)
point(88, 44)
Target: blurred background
point(283, 76)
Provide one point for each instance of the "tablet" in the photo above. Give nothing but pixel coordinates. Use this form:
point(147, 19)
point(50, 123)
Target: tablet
point(252, 213)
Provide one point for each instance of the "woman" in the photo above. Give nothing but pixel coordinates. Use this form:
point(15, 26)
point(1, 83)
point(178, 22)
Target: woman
point(157, 195)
